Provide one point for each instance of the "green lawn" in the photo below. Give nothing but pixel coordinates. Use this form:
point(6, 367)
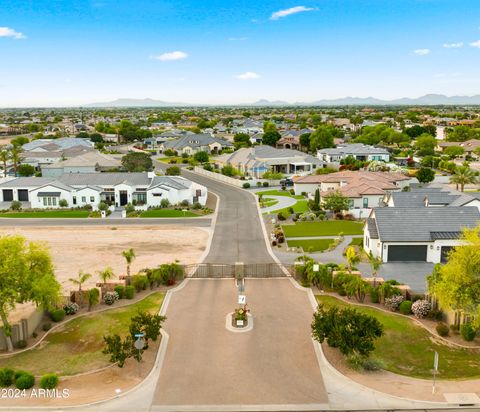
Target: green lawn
point(267, 202)
point(327, 228)
point(299, 207)
point(356, 241)
point(279, 193)
point(78, 346)
point(317, 245)
point(167, 213)
point(407, 349)
point(47, 214)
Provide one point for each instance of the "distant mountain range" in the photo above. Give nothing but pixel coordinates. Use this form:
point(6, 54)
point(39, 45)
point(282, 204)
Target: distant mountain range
point(427, 100)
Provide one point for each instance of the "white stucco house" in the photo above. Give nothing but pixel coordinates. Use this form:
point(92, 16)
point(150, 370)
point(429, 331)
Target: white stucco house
point(359, 151)
point(117, 189)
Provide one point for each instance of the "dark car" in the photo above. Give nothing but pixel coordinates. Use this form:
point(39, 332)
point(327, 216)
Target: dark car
point(286, 182)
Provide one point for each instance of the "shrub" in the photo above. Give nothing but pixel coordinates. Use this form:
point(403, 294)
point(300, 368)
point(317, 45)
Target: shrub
point(455, 328)
point(468, 332)
point(21, 344)
point(24, 381)
point(140, 282)
point(281, 216)
point(420, 308)
point(265, 184)
point(120, 291)
point(442, 329)
point(374, 295)
point(405, 307)
point(274, 243)
point(129, 208)
point(71, 308)
point(49, 381)
point(259, 184)
point(246, 185)
point(16, 205)
point(110, 297)
point(46, 326)
point(393, 303)
point(34, 335)
point(63, 203)
point(7, 376)
point(184, 203)
point(361, 363)
point(129, 292)
point(57, 315)
point(196, 206)
point(435, 314)
point(172, 171)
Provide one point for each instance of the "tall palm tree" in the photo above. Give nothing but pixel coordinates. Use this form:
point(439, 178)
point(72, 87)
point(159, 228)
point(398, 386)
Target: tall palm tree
point(106, 274)
point(4, 158)
point(129, 256)
point(15, 156)
point(80, 279)
point(463, 176)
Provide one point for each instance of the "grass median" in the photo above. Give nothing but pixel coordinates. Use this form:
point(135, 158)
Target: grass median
point(311, 245)
point(41, 214)
point(324, 228)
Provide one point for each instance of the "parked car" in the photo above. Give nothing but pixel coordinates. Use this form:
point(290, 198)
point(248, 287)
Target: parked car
point(286, 182)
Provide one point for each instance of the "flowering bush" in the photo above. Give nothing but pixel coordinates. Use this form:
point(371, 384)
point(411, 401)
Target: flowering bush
point(394, 302)
point(110, 298)
point(71, 308)
point(420, 308)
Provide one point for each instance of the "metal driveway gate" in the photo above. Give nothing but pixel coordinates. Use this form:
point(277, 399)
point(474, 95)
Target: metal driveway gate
point(250, 270)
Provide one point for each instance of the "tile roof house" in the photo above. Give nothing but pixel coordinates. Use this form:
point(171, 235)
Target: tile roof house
point(424, 234)
point(118, 189)
point(358, 150)
point(468, 146)
point(89, 162)
point(194, 143)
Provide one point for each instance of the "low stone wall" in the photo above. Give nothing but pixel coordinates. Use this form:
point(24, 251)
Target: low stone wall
point(22, 329)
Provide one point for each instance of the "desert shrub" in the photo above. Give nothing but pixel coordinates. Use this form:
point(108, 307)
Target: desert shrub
point(435, 314)
point(71, 308)
point(16, 205)
point(110, 297)
point(63, 203)
point(246, 185)
point(46, 326)
point(468, 332)
point(140, 282)
point(405, 307)
point(49, 381)
point(7, 376)
point(374, 295)
point(361, 364)
point(394, 302)
point(442, 329)
point(21, 344)
point(164, 203)
point(281, 216)
point(57, 315)
point(196, 206)
point(265, 184)
point(184, 203)
point(34, 335)
point(24, 381)
point(420, 308)
point(259, 184)
point(129, 208)
point(120, 291)
point(129, 292)
point(274, 243)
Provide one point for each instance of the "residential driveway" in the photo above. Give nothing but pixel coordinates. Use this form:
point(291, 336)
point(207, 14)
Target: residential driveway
point(273, 364)
point(283, 202)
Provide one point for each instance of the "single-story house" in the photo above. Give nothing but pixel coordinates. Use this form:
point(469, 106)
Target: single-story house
point(194, 143)
point(56, 145)
point(256, 160)
point(357, 150)
point(422, 234)
point(89, 162)
point(468, 146)
point(118, 189)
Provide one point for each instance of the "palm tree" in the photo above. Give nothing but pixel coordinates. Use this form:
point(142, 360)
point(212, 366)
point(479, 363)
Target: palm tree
point(463, 176)
point(81, 279)
point(106, 274)
point(4, 158)
point(93, 296)
point(129, 255)
point(375, 263)
point(15, 156)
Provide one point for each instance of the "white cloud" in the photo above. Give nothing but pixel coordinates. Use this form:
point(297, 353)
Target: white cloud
point(422, 52)
point(247, 76)
point(171, 56)
point(453, 45)
point(287, 12)
point(8, 32)
point(475, 44)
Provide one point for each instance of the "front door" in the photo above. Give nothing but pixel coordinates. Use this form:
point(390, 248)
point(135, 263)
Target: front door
point(123, 197)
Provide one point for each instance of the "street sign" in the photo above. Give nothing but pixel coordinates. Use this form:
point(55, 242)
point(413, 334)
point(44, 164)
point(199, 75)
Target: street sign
point(242, 299)
point(139, 343)
point(139, 335)
point(316, 267)
point(435, 362)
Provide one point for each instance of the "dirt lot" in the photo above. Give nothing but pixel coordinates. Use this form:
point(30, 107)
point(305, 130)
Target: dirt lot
point(93, 248)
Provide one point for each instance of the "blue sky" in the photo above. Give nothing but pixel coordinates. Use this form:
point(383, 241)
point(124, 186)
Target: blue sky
point(61, 52)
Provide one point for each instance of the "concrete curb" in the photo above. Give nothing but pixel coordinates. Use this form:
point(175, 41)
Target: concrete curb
point(229, 327)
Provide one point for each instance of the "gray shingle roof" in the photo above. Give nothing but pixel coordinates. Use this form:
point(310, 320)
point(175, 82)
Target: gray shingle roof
point(27, 182)
point(372, 228)
point(195, 140)
point(396, 224)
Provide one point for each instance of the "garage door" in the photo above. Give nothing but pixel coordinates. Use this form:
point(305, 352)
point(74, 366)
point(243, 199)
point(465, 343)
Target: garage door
point(407, 253)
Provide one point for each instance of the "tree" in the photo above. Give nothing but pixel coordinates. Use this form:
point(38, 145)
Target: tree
point(271, 138)
point(129, 256)
point(356, 286)
point(26, 275)
point(347, 329)
point(375, 263)
point(93, 297)
point(305, 140)
point(425, 145)
point(463, 176)
point(241, 140)
point(15, 157)
point(425, 175)
point(172, 171)
point(417, 130)
point(454, 151)
point(270, 175)
point(80, 279)
point(335, 202)
point(228, 170)
point(148, 324)
point(137, 162)
point(316, 201)
point(462, 133)
point(201, 157)
point(19, 141)
point(352, 257)
point(26, 170)
point(4, 158)
point(456, 284)
point(106, 274)
point(323, 137)
point(118, 349)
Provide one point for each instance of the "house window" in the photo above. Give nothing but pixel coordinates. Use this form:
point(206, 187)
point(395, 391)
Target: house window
point(92, 199)
point(49, 201)
point(44, 201)
point(74, 200)
point(365, 202)
point(350, 203)
point(84, 199)
point(54, 201)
